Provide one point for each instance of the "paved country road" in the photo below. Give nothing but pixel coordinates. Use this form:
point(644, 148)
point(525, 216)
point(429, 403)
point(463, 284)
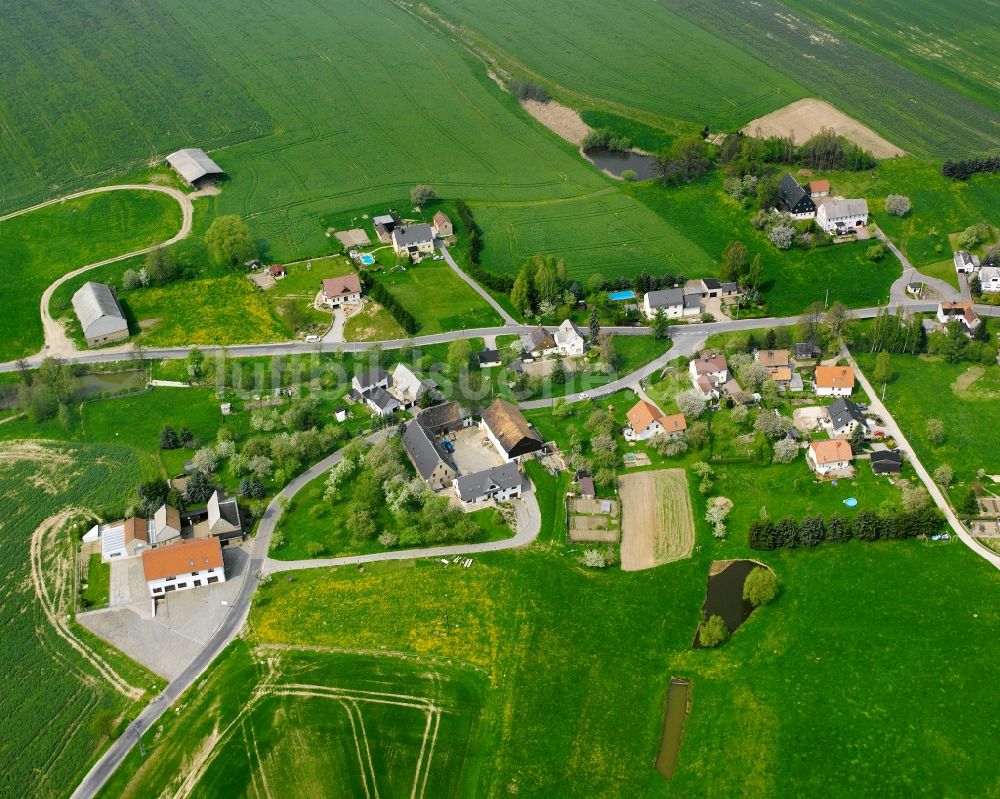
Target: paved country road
point(57, 343)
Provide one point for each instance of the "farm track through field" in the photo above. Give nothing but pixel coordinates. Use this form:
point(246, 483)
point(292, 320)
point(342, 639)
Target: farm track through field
point(57, 343)
point(52, 582)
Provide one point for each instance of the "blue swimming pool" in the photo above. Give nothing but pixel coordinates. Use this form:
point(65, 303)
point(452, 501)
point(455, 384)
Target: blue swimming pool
point(618, 296)
point(367, 259)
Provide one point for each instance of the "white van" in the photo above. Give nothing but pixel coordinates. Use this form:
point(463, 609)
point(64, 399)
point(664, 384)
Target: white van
point(313, 339)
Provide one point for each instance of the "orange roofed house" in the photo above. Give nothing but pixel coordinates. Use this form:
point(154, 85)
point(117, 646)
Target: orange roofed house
point(189, 564)
point(834, 381)
point(833, 455)
point(964, 312)
point(645, 421)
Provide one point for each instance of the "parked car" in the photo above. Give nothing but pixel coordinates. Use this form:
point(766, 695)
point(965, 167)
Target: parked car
point(313, 339)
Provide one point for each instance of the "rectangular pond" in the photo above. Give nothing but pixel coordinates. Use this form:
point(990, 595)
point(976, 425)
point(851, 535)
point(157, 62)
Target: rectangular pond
point(674, 715)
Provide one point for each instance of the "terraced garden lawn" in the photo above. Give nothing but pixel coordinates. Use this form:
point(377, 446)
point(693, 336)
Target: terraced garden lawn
point(438, 298)
point(43, 245)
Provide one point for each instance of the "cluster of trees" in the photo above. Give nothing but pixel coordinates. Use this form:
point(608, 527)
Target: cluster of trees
point(378, 498)
point(903, 333)
point(381, 295)
point(422, 194)
point(597, 438)
point(607, 139)
point(229, 241)
point(541, 286)
point(739, 268)
point(474, 239)
point(826, 150)
point(974, 235)
point(865, 526)
point(171, 439)
point(687, 158)
point(962, 170)
point(46, 393)
point(527, 89)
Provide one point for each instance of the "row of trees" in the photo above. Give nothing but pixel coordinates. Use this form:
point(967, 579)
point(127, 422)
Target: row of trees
point(962, 170)
point(765, 534)
point(474, 239)
point(825, 151)
point(383, 297)
point(541, 285)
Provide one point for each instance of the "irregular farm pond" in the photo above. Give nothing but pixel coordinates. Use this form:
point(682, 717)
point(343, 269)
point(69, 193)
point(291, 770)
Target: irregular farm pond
point(618, 161)
point(725, 593)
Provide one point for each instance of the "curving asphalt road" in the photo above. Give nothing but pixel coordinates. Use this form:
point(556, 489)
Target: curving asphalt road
point(57, 343)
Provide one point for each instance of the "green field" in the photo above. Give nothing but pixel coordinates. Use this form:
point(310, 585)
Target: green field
point(915, 35)
point(43, 245)
point(99, 118)
point(911, 108)
point(299, 721)
point(632, 55)
point(57, 708)
point(439, 299)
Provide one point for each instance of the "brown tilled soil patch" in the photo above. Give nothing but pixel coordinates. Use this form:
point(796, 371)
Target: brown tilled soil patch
point(657, 521)
point(805, 118)
point(560, 119)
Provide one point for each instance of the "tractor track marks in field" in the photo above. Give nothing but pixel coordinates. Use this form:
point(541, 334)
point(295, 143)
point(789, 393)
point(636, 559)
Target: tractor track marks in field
point(55, 601)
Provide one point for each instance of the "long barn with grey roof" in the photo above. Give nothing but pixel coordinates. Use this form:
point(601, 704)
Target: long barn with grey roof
point(100, 314)
point(428, 457)
point(194, 166)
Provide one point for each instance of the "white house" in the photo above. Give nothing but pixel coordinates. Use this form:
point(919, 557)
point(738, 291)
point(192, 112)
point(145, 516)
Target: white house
point(989, 278)
point(964, 312)
point(537, 343)
point(124, 539)
point(832, 455)
point(845, 418)
point(406, 387)
point(674, 303)
point(339, 291)
point(842, 216)
point(965, 262)
point(646, 421)
point(709, 374)
point(500, 483)
point(834, 381)
point(568, 341)
point(381, 402)
point(508, 431)
point(375, 377)
point(413, 241)
point(188, 564)
point(166, 525)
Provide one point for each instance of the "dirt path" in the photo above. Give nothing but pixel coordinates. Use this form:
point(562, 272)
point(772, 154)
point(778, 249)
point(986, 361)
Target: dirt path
point(52, 579)
point(57, 343)
point(657, 522)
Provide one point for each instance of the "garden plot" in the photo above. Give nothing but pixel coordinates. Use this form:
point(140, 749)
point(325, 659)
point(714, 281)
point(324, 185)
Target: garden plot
point(657, 522)
point(594, 520)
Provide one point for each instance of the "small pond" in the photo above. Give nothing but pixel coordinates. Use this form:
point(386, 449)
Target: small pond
point(616, 162)
point(674, 716)
point(725, 593)
point(110, 383)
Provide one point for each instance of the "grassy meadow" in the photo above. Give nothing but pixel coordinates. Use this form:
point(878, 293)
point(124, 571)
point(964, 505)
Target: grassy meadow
point(439, 299)
point(56, 709)
point(962, 395)
point(43, 245)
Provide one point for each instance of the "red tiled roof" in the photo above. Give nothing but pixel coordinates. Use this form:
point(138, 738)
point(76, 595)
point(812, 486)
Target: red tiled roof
point(342, 286)
point(189, 556)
